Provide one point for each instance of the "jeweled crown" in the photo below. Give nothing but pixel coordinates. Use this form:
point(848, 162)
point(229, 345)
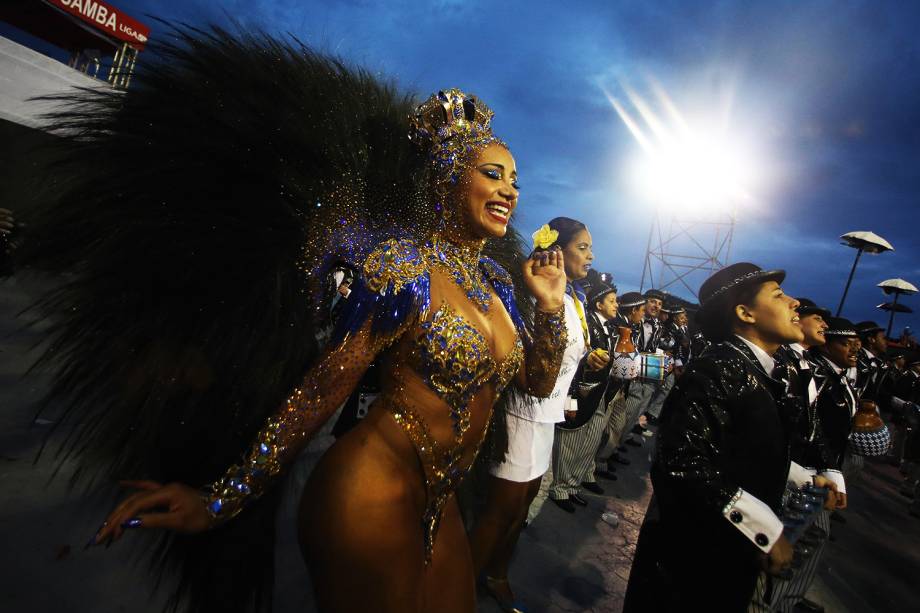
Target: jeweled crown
point(451, 124)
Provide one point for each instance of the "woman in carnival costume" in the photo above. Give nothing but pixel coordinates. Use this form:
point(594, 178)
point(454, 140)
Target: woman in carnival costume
point(186, 335)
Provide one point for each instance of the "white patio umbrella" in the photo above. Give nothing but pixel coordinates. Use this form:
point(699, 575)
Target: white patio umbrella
point(896, 287)
point(861, 240)
point(897, 308)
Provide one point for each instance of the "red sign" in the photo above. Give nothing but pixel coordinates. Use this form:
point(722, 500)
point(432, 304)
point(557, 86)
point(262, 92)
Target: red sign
point(106, 18)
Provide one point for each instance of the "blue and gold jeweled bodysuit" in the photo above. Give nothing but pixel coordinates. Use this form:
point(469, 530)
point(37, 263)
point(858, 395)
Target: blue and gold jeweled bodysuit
point(446, 351)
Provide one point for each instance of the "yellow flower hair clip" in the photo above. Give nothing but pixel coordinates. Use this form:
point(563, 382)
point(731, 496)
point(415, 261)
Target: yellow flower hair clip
point(544, 237)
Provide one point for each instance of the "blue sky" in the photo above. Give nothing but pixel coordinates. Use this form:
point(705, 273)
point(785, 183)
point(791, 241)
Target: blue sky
point(828, 93)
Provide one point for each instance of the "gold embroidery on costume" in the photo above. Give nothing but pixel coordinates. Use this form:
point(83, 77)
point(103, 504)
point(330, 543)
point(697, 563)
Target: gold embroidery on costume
point(455, 359)
point(393, 265)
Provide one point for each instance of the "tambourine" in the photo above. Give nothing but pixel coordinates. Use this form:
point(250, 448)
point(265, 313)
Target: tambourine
point(645, 366)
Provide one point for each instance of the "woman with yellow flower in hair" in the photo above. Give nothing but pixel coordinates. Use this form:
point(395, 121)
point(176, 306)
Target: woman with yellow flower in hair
point(515, 481)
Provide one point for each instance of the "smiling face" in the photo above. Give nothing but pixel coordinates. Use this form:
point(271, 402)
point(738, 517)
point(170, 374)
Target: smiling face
point(653, 307)
point(770, 317)
point(492, 194)
point(681, 319)
point(842, 350)
point(578, 256)
point(607, 306)
point(813, 327)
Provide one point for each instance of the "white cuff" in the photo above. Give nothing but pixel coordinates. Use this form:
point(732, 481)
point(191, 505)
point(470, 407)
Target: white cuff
point(678, 363)
point(755, 519)
point(800, 475)
point(835, 477)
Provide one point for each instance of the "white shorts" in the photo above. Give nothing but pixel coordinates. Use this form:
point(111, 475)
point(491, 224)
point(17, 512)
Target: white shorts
point(530, 449)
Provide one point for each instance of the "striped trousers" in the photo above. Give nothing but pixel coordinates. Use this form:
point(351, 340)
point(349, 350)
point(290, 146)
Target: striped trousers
point(637, 400)
point(573, 454)
point(623, 414)
point(779, 595)
point(852, 467)
point(661, 392)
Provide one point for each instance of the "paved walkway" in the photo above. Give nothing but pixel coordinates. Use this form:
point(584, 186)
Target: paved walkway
point(565, 562)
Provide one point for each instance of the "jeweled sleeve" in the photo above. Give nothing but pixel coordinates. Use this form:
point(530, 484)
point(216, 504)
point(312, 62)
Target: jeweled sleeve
point(387, 301)
point(544, 352)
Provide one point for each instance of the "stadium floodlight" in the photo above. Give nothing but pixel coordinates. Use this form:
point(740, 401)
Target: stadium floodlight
point(696, 171)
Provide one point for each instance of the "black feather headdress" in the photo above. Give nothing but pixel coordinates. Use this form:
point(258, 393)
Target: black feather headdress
point(192, 221)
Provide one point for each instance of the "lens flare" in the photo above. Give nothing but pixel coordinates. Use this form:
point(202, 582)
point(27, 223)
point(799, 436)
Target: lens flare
point(688, 165)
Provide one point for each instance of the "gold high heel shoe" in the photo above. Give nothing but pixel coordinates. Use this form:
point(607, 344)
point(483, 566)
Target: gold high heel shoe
point(506, 605)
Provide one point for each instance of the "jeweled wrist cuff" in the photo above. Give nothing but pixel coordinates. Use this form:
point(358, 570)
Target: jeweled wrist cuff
point(242, 483)
point(551, 319)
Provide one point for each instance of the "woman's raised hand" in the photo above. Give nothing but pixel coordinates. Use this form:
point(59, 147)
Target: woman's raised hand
point(174, 506)
point(544, 275)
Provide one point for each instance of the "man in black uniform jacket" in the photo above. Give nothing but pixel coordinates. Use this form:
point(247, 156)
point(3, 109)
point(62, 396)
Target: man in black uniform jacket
point(904, 403)
point(872, 369)
point(722, 459)
point(837, 398)
point(808, 448)
point(577, 438)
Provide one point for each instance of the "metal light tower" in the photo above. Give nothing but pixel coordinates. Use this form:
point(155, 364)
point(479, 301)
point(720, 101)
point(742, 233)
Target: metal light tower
point(683, 250)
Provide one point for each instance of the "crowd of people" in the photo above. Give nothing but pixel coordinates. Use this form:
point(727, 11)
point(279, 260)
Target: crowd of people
point(749, 344)
point(753, 344)
point(440, 359)
point(765, 390)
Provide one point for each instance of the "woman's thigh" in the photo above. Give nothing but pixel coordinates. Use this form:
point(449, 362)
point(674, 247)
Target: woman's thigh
point(449, 582)
point(361, 538)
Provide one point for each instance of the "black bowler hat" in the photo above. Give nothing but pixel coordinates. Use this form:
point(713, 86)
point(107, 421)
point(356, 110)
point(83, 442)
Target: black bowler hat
point(866, 328)
point(840, 327)
point(808, 307)
point(674, 309)
point(733, 276)
point(598, 292)
point(631, 299)
point(654, 294)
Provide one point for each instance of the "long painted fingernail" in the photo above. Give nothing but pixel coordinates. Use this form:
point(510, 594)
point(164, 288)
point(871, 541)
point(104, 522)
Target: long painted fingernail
point(95, 539)
point(134, 522)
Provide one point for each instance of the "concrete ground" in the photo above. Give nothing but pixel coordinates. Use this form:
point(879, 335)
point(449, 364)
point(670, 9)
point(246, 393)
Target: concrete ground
point(565, 562)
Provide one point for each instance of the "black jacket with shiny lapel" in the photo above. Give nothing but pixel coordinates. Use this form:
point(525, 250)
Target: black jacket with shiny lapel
point(721, 429)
